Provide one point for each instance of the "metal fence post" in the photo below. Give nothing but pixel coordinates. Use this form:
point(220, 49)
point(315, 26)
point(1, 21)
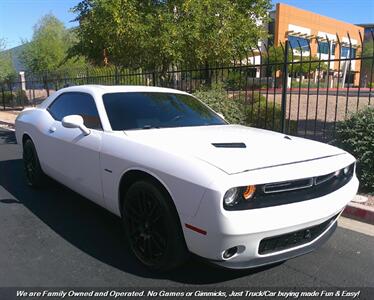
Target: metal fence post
point(284, 87)
point(3, 95)
point(45, 80)
point(116, 77)
point(87, 76)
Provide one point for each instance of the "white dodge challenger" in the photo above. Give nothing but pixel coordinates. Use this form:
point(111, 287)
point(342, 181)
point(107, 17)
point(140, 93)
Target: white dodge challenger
point(184, 180)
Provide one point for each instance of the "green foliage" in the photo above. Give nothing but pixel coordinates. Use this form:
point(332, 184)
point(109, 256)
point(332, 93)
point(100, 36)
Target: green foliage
point(252, 112)
point(215, 31)
point(129, 33)
point(237, 80)
point(7, 71)
point(276, 56)
point(267, 115)
point(154, 34)
point(13, 99)
point(47, 51)
point(356, 135)
point(216, 98)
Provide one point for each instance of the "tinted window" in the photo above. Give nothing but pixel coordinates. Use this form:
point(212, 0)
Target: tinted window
point(76, 104)
point(142, 110)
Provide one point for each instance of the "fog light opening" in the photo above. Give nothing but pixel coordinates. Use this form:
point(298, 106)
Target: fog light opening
point(230, 252)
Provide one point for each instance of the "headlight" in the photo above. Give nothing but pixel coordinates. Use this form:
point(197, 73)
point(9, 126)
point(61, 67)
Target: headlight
point(231, 197)
point(346, 170)
point(237, 195)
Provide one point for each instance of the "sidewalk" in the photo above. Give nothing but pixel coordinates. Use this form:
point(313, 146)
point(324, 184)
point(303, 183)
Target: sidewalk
point(354, 210)
point(363, 212)
point(8, 117)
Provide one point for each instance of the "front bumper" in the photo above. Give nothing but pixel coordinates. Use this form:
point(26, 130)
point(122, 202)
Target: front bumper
point(246, 229)
point(281, 256)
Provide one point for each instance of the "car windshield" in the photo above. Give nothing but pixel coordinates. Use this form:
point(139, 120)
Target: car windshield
point(145, 110)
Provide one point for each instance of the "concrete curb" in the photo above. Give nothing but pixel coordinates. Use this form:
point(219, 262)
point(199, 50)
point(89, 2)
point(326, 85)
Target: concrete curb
point(359, 212)
point(7, 124)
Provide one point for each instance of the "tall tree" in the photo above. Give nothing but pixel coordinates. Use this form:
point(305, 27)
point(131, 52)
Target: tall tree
point(7, 71)
point(47, 51)
point(156, 33)
point(216, 31)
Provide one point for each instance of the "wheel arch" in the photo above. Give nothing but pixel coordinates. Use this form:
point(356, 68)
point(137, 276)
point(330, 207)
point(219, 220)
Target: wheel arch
point(131, 176)
point(26, 136)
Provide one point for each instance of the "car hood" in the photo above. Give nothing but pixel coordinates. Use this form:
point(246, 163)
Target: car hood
point(234, 148)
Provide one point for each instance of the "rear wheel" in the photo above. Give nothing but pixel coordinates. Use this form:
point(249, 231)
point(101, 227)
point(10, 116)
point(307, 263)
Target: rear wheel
point(34, 173)
point(152, 226)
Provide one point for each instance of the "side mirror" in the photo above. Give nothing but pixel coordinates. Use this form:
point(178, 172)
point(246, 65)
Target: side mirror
point(221, 115)
point(75, 121)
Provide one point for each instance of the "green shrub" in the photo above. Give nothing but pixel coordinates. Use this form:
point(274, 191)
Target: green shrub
point(12, 99)
point(216, 98)
point(243, 79)
point(261, 115)
point(235, 80)
point(356, 135)
point(252, 112)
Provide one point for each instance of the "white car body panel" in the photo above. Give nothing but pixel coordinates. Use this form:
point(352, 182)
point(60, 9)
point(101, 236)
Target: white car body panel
point(258, 154)
point(194, 172)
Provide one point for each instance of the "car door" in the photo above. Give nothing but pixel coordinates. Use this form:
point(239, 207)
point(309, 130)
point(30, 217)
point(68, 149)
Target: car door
point(75, 159)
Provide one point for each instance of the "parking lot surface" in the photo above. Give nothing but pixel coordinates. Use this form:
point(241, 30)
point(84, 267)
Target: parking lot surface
point(54, 237)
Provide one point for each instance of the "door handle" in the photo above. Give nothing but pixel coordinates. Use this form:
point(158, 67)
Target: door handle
point(52, 129)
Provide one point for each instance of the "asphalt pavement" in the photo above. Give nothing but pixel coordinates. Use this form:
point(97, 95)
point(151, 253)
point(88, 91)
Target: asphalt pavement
point(54, 237)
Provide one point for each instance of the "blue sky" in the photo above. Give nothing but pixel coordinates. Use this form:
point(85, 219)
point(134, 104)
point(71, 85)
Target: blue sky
point(17, 17)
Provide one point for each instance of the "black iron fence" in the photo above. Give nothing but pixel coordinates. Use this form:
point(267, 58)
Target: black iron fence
point(300, 89)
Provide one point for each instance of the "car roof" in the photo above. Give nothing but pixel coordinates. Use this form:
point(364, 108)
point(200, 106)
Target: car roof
point(120, 88)
point(104, 89)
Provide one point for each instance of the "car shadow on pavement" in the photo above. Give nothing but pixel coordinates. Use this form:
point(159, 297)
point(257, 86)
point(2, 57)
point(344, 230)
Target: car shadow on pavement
point(7, 137)
point(96, 231)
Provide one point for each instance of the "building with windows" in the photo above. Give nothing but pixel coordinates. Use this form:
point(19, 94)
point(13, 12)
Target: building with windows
point(368, 31)
point(310, 32)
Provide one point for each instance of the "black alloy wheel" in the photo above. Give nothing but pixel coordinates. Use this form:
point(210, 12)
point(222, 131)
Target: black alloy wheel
point(152, 227)
point(33, 171)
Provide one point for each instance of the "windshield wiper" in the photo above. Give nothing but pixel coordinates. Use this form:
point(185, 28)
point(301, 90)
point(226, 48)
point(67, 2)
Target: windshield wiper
point(150, 127)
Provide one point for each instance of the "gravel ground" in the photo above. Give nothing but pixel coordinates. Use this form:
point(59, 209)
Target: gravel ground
point(320, 107)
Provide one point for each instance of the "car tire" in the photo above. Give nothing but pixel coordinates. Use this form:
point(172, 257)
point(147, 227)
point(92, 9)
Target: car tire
point(152, 227)
point(35, 176)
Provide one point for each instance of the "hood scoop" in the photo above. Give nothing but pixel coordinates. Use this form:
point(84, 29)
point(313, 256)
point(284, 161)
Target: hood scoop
point(229, 145)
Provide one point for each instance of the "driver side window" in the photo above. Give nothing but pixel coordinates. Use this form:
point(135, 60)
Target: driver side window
point(74, 103)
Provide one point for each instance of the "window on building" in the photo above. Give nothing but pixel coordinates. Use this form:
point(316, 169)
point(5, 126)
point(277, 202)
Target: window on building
point(297, 42)
point(323, 48)
point(347, 51)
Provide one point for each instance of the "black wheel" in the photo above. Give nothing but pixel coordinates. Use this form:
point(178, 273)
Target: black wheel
point(34, 174)
point(153, 227)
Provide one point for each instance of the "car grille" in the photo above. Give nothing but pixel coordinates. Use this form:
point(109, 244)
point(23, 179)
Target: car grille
point(287, 186)
point(294, 239)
